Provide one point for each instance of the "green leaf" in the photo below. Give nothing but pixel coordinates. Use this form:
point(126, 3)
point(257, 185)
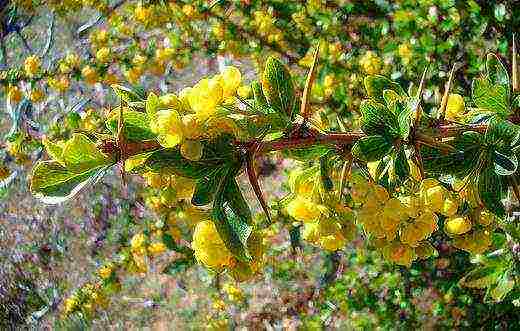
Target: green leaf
point(504, 285)
point(258, 95)
point(491, 188)
point(307, 153)
point(502, 133)
point(206, 188)
point(128, 94)
point(52, 183)
point(232, 220)
point(481, 277)
point(496, 71)
point(371, 148)
point(390, 97)
point(401, 165)
point(459, 162)
point(377, 119)
point(505, 165)
point(277, 86)
point(170, 243)
point(171, 160)
point(405, 119)
point(136, 125)
point(178, 266)
point(80, 153)
point(490, 97)
point(326, 180)
point(152, 105)
point(376, 85)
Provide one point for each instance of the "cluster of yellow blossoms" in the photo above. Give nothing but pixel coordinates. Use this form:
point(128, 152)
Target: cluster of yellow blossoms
point(370, 63)
point(86, 300)
point(192, 115)
point(400, 226)
point(326, 222)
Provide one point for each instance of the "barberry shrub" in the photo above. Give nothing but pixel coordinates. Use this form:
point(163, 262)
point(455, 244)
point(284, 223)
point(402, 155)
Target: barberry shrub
point(405, 174)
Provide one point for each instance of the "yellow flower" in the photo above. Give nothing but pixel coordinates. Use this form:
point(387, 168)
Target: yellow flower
point(399, 253)
point(105, 271)
point(184, 187)
point(370, 63)
point(71, 303)
point(204, 97)
point(304, 209)
point(72, 60)
point(244, 91)
point(455, 107)
point(486, 218)
point(230, 79)
point(36, 95)
point(103, 55)
point(89, 75)
point(167, 124)
point(4, 172)
point(163, 55)
point(14, 94)
point(142, 14)
point(137, 242)
point(450, 207)
point(332, 242)
point(156, 248)
point(209, 247)
point(139, 60)
point(405, 52)
point(234, 293)
point(32, 65)
point(457, 225)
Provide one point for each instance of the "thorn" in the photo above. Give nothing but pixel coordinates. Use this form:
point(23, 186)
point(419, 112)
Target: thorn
point(418, 109)
point(345, 172)
point(418, 160)
point(253, 180)
point(444, 102)
point(304, 110)
point(516, 81)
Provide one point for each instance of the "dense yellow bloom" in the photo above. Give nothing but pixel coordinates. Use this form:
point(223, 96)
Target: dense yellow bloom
point(234, 293)
point(156, 248)
point(72, 60)
point(332, 242)
point(14, 94)
point(304, 209)
point(370, 63)
point(475, 242)
point(89, 75)
point(167, 124)
point(399, 253)
point(205, 96)
point(142, 14)
point(455, 107)
point(457, 225)
point(486, 218)
point(230, 79)
point(36, 95)
point(60, 84)
point(106, 271)
point(32, 65)
point(138, 241)
point(103, 55)
point(209, 247)
point(71, 303)
point(184, 187)
point(4, 172)
point(164, 55)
